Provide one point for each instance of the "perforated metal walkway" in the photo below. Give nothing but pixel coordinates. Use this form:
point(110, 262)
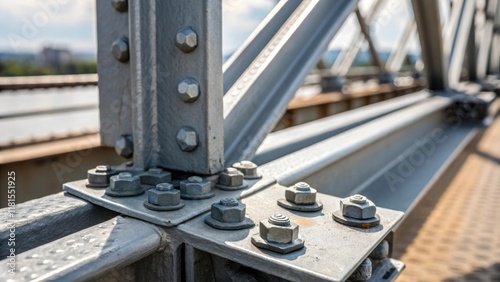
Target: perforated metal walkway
point(454, 233)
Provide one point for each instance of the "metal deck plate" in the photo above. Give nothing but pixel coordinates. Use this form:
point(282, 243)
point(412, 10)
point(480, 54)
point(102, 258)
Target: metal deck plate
point(332, 251)
point(134, 206)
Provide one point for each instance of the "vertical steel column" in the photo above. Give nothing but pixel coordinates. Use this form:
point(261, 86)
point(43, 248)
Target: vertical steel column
point(494, 63)
point(486, 38)
point(176, 66)
point(114, 72)
point(472, 51)
point(456, 42)
point(431, 41)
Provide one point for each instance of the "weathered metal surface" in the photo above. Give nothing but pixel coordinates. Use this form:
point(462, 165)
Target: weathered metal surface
point(115, 107)
point(249, 112)
point(50, 218)
point(134, 206)
point(158, 64)
point(87, 254)
point(321, 234)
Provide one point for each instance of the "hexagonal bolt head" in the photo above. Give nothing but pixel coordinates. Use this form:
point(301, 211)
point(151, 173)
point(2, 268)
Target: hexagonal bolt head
point(155, 176)
point(187, 138)
point(228, 211)
point(124, 146)
point(100, 175)
point(301, 194)
point(120, 49)
point(272, 232)
point(120, 5)
point(358, 210)
point(247, 167)
point(124, 182)
point(188, 89)
point(231, 177)
point(164, 195)
point(195, 185)
point(186, 39)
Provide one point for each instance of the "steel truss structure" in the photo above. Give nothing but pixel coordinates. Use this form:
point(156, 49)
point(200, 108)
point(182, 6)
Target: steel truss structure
point(167, 99)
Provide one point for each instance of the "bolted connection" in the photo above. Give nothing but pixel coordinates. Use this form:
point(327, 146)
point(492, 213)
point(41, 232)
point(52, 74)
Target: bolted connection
point(125, 181)
point(279, 229)
point(228, 210)
point(99, 177)
point(188, 89)
point(186, 39)
point(187, 139)
point(155, 176)
point(231, 177)
point(120, 49)
point(120, 5)
point(124, 146)
point(164, 195)
point(195, 186)
point(248, 168)
point(358, 207)
point(363, 272)
point(301, 194)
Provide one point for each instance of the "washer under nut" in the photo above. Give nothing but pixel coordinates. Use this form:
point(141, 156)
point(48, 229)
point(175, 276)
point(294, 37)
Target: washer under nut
point(357, 211)
point(278, 234)
point(228, 214)
point(124, 185)
point(99, 177)
point(164, 198)
point(301, 197)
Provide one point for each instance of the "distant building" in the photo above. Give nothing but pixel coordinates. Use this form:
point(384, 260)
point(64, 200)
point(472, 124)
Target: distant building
point(54, 56)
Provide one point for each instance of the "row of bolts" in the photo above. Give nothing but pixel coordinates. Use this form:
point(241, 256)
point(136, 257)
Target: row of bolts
point(228, 212)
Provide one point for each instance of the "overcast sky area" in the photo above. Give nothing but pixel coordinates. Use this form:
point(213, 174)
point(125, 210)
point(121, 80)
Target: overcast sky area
point(29, 25)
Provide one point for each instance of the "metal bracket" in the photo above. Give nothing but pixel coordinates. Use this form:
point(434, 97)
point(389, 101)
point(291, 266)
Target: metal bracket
point(134, 206)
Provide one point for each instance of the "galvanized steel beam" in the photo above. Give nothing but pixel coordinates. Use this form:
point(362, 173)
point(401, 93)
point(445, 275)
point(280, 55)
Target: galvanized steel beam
point(428, 19)
point(236, 65)
point(176, 66)
point(253, 106)
point(486, 38)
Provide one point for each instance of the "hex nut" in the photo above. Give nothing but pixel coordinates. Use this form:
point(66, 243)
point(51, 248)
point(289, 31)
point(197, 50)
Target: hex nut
point(195, 188)
point(231, 177)
point(188, 89)
point(155, 176)
point(170, 197)
point(124, 146)
point(99, 177)
point(272, 232)
point(124, 182)
point(186, 39)
point(301, 194)
point(228, 213)
point(248, 168)
point(120, 49)
point(120, 5)
point(187, 139)
point(354, 209)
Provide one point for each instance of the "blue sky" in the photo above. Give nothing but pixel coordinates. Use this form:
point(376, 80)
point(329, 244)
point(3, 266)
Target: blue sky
point(28, 25)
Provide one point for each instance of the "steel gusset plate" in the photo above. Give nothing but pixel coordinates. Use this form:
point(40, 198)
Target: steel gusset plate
point(332, 251)
point(134, 206)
